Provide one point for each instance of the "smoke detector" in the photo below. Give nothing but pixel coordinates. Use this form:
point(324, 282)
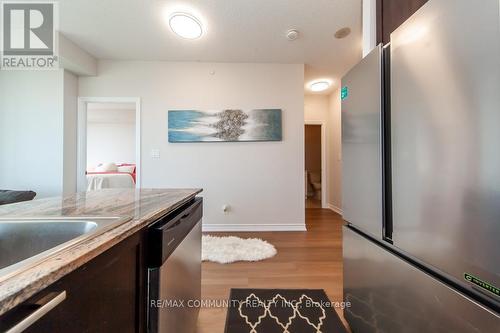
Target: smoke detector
point(342, 33)
point(292, 34)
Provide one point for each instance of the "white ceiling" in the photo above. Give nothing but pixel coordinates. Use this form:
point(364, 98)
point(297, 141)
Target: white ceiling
point(111, 113)
point(236, 31)
point(111, 106)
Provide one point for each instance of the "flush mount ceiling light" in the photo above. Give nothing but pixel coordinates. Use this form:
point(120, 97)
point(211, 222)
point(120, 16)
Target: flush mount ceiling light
point(185, 25)
point(320, 85)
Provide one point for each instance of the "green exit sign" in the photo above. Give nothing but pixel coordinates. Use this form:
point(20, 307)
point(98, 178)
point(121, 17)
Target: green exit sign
point(344, 93)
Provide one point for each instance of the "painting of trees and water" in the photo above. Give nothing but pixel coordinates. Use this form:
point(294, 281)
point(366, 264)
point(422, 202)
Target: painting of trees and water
point(226, 125)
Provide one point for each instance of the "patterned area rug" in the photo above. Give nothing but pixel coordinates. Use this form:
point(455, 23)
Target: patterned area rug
point(281, 311)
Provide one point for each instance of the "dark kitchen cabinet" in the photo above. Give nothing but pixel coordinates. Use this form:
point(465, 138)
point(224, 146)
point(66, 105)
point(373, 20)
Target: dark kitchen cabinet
point(392, 13)
point(108, 294)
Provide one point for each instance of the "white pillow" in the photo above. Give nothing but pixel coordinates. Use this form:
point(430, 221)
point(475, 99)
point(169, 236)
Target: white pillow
point(106, 167)
point(126, 168)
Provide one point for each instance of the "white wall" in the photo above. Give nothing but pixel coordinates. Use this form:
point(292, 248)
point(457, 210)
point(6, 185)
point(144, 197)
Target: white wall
point(369, 25)
point(31, 131)
point(335, 152)
point(326, 108)
point(70, 102)
point(110, 136)
point(262, 182)
point(316, 107)
point(74, 59)
point(38, 131)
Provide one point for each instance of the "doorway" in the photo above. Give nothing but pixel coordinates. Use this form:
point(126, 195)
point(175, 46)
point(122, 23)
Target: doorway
point(314, 165)
point(108, 143)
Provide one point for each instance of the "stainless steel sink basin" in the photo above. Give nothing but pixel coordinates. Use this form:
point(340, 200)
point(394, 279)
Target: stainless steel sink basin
point(25, 241)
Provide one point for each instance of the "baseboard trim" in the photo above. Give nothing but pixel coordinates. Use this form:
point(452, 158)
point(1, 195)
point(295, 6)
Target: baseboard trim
point(252, 227)
point(335, 209)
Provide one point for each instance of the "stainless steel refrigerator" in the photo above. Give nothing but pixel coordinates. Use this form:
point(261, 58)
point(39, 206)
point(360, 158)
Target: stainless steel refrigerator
point(421, 175)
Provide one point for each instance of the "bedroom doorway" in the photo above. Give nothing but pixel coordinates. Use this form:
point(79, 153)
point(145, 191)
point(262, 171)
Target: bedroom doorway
point(108, 143)
point(315, 164)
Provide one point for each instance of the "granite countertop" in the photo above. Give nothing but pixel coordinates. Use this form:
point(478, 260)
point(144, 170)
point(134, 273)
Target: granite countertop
point(136, 208)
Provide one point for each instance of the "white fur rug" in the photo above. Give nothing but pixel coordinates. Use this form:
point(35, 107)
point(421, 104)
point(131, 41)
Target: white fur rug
point(225, 250)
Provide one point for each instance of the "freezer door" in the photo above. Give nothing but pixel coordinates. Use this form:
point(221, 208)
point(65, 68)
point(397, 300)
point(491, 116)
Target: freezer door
point(361, 144)
point(387, 294)
point(445, 111)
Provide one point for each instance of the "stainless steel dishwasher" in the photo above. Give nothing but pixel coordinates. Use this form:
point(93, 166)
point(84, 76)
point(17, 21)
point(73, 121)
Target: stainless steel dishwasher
point(174, 270)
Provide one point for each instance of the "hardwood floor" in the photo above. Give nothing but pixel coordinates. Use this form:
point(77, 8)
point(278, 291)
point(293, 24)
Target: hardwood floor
point(313, 203)
point(311, 259)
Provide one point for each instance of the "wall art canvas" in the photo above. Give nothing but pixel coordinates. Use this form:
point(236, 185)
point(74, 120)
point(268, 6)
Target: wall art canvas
point(225, 125)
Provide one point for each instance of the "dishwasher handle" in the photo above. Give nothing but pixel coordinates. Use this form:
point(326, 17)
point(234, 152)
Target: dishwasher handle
point(171, 226)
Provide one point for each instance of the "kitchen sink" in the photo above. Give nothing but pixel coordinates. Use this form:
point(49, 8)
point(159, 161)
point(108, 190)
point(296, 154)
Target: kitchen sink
point(24, 241)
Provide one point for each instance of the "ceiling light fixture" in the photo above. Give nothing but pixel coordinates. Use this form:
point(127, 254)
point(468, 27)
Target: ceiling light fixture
point(185, 25)
point(320, 85)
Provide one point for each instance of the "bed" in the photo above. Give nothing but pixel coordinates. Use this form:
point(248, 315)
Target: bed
point(111, 176)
